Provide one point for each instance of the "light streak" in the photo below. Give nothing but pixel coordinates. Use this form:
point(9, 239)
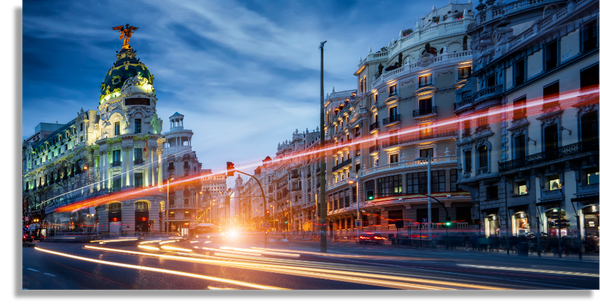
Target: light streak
point(175, 248)
point(336, 275)
point(494, 114)
point(581, 274)
point(218, 288)
point(149, 247)
point(113, 241)
point(230, 252)
point(166, 242)
point(180, 273)
point(262, 252)
point(150, 242)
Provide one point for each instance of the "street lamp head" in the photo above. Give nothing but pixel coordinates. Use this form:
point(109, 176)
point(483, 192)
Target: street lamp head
point(322, 44)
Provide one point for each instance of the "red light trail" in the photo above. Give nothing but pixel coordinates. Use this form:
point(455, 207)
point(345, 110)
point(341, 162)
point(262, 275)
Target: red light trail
point(494, 115)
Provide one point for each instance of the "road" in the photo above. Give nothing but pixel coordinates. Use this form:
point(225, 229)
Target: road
point(242, 263)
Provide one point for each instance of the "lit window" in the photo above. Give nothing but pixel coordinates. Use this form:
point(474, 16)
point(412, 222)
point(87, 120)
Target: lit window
point(393, 158)
point(464, 72)
point(554, 182)
point(522, 188)
point(424, 80)
point(592, 177)
point(393, 90)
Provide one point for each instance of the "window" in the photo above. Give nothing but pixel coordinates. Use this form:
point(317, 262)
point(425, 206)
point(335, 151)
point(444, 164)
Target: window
point(138, 178)
point(554, 182)
point(117, 128)
point(464, 72)
point(369, 186)
point(467, 128)
point(589, 130)
point(81, 127)
point(422, 215)
point(482, 121)
point(521, 188)
point(416, 182)
point(425, 131)
point(141, 207)
point(425, 106)
point(492, 192)
point(519, 147)
point(138, 126)
point(116, 183)
point(389, 186)
point(519, 72)
point(453, 179)
point(376, 96)
point(426, 152)
point(424, 80)
point(520, 111)
point(393, 113)
point(138, 155)
point(491, 81)
point(438, 181)
point(551, 94)
point(393, 90)
point(551, 53)
point(588, 78)
point(590, 36)
point(591, 176)
point(483, 158)
point(393, 158)
point(116, 157)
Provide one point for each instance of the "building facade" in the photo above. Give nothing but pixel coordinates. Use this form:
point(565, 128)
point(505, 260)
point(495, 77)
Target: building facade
point(388, 127)
point(528, 147)
point(119, 146)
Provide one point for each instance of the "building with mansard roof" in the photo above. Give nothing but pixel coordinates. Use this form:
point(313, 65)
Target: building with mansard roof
point(387, 127)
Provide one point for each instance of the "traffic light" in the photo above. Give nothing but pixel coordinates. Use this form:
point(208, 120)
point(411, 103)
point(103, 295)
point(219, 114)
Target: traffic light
point(268, 212)
point(448, 222)
point(370, 195)
point(314, 207)
point(230, 169)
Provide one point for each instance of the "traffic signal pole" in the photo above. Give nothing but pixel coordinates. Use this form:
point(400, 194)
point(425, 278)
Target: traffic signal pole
point(230, 169)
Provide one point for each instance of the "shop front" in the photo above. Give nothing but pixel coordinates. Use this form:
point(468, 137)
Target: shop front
point(491, 222)
point(590, 228)
point(520, 220)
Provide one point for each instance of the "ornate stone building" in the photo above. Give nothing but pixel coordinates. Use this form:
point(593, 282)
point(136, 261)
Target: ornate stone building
point(387, 127)
point(119, 146)
point(528, 147)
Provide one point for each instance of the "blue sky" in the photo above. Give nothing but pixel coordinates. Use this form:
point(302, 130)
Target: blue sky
point(244, 73)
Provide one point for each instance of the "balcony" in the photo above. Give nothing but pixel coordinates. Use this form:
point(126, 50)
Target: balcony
point(373, 149)
point(409, 164)
point(392, 120)
point(341, 165)
point(186, 167)
point(425, 111)
point(374, 126)
point(548, 157)
point(404, 139)
point(116, 164)
point(297, 188)
point(138, 161)
point(171, 168)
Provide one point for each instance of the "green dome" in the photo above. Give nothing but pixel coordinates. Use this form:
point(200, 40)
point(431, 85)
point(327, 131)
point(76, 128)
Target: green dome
point(127, 65)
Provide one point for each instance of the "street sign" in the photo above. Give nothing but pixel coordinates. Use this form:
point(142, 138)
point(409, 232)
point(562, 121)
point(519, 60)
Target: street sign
point(266, 225)
point(358, 223)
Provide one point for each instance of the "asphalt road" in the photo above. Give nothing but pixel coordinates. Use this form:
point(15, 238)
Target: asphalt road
point(232, 264)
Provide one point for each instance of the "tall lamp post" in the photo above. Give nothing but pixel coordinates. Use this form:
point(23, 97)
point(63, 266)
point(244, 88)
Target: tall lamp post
point(322, 207)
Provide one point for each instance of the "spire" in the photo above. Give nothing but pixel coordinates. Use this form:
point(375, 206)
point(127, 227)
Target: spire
point(370, 50)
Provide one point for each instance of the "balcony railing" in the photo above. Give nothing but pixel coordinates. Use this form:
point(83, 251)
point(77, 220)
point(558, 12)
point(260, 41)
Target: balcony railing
point(341, 165)
point(410, 163)
point(138, 161)
point(116, 164)
point(374, 126)
point(186, 167)
point(423, 136)
point(373, 148)
point(425, 111)
point(548, 156)
point(391, 119)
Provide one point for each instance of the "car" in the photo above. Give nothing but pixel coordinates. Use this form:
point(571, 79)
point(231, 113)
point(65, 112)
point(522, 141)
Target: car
point(27, 238)
point(366, 238)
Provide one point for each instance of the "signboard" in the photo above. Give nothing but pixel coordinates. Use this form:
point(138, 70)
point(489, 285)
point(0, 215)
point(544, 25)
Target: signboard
point(266, 225)
point(424, 220)
point(358, 223)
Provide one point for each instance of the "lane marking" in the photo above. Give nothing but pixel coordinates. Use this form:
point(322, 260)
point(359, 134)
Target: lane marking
point(34, 270)
point(582, 274)
point(187, 274)
point(49, 274)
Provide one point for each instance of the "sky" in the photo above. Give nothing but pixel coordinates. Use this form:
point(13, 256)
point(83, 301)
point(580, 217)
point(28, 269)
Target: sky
point(246, 74)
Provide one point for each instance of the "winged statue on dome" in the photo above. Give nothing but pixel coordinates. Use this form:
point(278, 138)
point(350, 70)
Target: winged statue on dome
point(126, 32)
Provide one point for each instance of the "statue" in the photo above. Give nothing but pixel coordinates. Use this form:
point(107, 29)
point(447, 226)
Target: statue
point(126, 32)
point(380, 68)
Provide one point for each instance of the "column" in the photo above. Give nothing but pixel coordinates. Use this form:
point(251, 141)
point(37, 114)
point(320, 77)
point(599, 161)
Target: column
point(152, 153)
point(105, 171)
point(98, 170)
point(127, 167)
point(130, 174)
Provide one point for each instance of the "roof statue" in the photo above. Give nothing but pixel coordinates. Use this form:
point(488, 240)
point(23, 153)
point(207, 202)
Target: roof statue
point(126, 32)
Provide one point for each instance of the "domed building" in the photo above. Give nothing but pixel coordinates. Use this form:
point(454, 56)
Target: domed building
point(116, 148)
